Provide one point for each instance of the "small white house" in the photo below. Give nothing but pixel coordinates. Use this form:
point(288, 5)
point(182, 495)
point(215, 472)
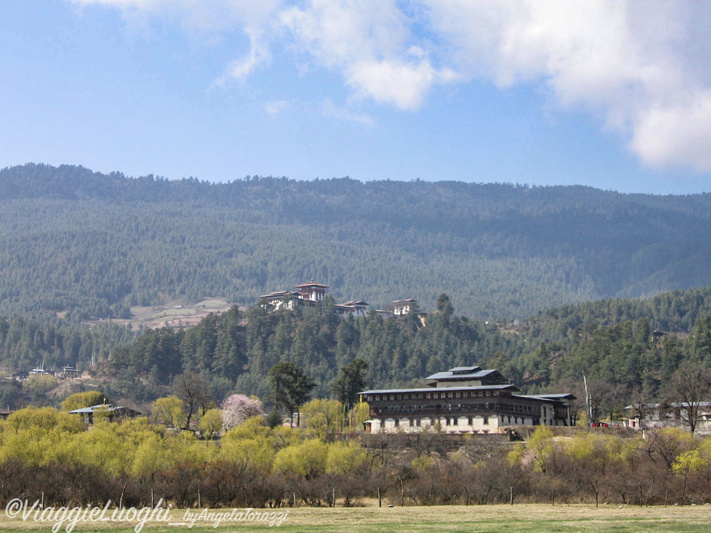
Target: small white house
point(403, 307)
point(352, 308)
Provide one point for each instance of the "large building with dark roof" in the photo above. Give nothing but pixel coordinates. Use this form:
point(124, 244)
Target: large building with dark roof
point(464, 400)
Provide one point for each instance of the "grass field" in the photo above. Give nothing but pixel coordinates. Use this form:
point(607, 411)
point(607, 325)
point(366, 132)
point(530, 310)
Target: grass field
point(492, 518)
point(174, 314)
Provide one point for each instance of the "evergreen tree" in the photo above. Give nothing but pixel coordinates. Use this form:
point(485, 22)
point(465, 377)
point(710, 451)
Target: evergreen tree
point(350, 382)
point(290, 387)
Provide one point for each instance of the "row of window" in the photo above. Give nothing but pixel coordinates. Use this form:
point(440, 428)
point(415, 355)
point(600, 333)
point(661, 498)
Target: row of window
point(453, 421)
point(461, 407)
point(518, 408)
point(434, 408)
point(515, 408)
point(443, 395)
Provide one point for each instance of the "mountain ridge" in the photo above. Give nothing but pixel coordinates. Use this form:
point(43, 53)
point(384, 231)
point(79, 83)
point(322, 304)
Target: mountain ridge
point(96, 244)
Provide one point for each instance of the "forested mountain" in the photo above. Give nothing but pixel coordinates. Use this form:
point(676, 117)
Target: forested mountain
point(95, 244)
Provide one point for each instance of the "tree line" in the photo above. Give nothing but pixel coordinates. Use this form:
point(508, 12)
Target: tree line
point(234, 351)
point(50, 454)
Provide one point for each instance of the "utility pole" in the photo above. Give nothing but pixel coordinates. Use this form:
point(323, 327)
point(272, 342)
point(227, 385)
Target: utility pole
point(588, 405)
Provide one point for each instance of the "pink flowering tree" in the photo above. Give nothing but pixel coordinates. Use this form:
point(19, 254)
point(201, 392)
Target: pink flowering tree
point(238, 408)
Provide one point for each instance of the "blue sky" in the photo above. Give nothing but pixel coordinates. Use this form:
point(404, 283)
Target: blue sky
point(607, 93)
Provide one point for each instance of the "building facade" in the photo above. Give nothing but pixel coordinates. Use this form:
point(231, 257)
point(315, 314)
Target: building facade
point(464, 400)
point(306, 294)
point(312, 293)
point(352, 308)
point(403, 307)
point(662, 415)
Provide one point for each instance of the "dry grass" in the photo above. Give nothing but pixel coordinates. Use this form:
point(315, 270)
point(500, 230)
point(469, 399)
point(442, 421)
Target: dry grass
point(168, 315)
point(493, 518)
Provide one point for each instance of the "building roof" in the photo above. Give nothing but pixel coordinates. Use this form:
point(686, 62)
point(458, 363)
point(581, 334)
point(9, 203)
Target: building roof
point(312, 283)
point(672, 405)
point(108, 407)
point(447, 389)
point(460, 373)
point(277, 294)
point(403, 302)
point(562, 395)
point(464, 369)
point(551, 397)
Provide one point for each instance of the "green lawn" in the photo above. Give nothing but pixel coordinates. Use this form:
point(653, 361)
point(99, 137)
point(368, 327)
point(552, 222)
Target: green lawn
point(492, 518)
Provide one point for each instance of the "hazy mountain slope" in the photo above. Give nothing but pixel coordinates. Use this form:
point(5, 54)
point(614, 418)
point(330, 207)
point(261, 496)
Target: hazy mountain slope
point(71, 238)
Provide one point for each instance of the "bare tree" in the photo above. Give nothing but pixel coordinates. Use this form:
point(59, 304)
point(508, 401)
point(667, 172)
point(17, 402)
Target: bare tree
point(192, 389)
point(641, 402)
point(688, 387)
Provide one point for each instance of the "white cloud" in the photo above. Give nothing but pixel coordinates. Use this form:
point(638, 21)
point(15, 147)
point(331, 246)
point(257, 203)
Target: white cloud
point(370, 43)
point(340, 32)
point(634, 62)
point(642, 66)
point(253, 17)
point(258, 54)
point(275, 107)
point(676, 135)
point(404, 85)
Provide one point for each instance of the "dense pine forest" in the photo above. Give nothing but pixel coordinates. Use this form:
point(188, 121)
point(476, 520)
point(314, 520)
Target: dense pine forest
point(96, 244)
point(235, 350)
point(611, 341)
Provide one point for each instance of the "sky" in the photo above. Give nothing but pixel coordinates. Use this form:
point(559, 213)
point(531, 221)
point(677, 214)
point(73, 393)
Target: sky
point(613, 94)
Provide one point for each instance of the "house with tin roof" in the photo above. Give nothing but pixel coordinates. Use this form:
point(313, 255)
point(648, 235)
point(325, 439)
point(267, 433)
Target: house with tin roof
point(112, 413)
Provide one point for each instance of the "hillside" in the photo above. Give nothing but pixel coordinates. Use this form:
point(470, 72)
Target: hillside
point(95, 245)
point(610, 341)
